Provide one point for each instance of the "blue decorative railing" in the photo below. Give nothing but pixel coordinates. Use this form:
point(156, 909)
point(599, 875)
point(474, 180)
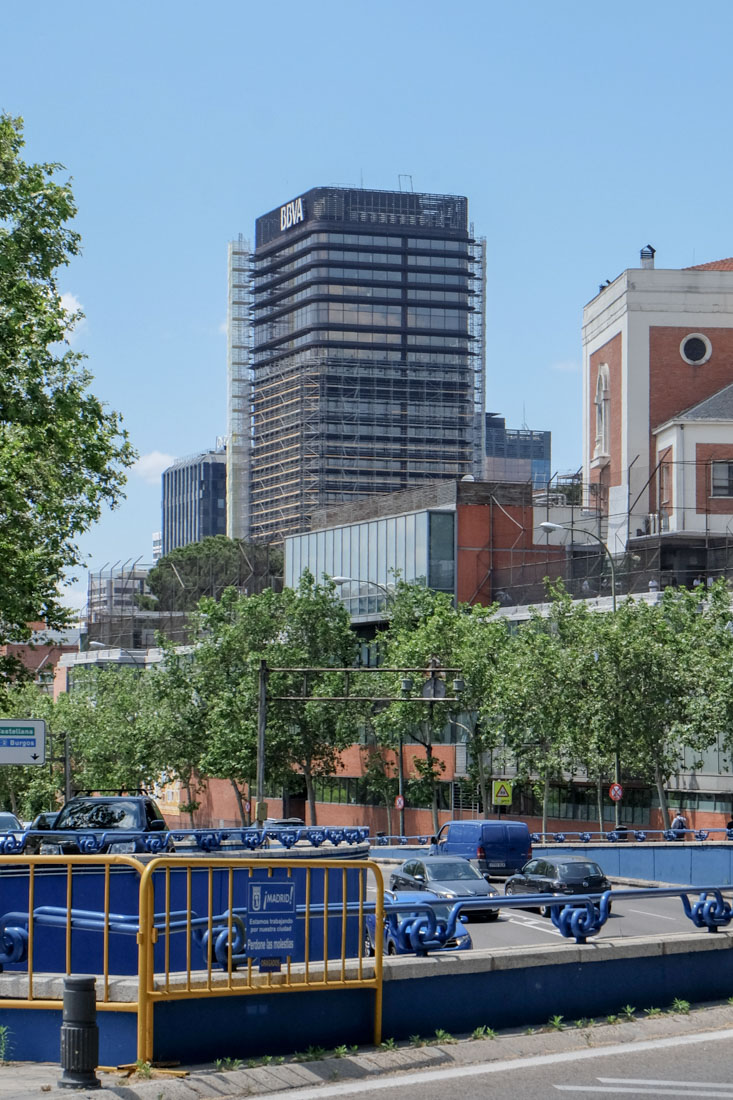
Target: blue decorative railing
point(421, 932)
point(613, 836)
point(204, 840)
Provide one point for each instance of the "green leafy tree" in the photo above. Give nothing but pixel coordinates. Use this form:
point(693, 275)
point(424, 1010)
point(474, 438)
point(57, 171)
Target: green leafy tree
point(424, 633)
point(62, 455)
point(107, 717)
point(28, 790)
point(538, 689)
point(655, 695)
point(208, 568)
point(174, 721)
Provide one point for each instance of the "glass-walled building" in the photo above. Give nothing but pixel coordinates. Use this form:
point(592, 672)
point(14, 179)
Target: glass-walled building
point(367, 351)
point(194, 499)
point(365, 558)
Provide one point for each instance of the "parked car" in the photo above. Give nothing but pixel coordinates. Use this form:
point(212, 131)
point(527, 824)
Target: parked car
point(448, 877)
point(497, 847)
point(558, 875)
point(9, 823)
point(44, 820)
point(114, 822)
point(392, 946)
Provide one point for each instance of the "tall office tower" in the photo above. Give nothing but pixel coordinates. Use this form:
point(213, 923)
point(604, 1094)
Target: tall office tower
point(368, 353)
point(194, 499)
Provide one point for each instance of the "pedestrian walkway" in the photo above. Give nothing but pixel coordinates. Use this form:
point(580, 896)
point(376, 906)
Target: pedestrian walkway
point(23, 1081)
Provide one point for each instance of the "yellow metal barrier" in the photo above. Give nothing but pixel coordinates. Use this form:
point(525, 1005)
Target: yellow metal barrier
point(339, 970)
point(328, 966)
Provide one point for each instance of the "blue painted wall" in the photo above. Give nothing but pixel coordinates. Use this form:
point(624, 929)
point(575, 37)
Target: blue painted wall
point(687, 863)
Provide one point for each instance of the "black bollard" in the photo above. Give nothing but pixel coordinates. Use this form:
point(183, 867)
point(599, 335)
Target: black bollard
point(79, 1034)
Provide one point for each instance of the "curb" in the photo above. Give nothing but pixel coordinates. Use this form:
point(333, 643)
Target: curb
point(207, 1082)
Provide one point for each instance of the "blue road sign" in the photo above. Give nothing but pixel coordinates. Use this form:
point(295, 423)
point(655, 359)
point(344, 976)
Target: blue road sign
point(22, 741)
point(270, 922)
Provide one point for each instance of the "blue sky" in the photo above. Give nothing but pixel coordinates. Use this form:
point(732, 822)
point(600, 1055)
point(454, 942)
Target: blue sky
point(579, 133)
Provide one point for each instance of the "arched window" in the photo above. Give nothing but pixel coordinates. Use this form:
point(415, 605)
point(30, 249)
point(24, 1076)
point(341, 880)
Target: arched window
point(601, 447)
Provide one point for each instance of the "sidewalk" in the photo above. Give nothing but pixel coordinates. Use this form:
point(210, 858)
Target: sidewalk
point(21, 1081)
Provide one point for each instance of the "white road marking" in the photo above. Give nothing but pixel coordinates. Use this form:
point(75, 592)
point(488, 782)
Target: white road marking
point(678, 1084)
point(423, 1077)
point(636, 1091)
point(659, 916)
point(536, 925)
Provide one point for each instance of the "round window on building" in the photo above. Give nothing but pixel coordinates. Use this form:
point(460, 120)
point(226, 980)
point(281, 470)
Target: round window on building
point(696, 349)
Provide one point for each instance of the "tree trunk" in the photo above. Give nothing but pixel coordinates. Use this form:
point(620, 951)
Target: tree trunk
point(190, 799)
point(545, 801)
point(478, 756)
point(434, 807)
point(599, 796)
point(310, 794)
point(240, 802)
point(662, 794)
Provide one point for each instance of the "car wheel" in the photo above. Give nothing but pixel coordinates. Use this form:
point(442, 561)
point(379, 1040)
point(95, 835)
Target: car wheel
point(508, 891)
point(492, 915)
point(391, 948)
point(545, 910)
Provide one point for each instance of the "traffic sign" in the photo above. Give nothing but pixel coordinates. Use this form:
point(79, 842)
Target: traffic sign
point(501, 792)
point(22, 741)
point(616, 792)
point(399, 802)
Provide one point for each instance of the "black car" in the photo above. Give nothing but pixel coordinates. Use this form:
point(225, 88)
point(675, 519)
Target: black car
point(561, 876)
point(96, 824)
point(448, 877)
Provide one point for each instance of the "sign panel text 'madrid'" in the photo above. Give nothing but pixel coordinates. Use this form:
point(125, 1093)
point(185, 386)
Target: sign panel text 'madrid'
point(22, 741)
point(291, 213)
point(270, 922)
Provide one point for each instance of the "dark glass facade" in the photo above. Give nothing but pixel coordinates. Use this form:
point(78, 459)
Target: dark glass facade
point(368, 364)
point(194, 500)
point(517, 454)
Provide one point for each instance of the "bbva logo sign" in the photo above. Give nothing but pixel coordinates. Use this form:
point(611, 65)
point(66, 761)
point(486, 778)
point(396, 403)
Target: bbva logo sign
point(291, 214)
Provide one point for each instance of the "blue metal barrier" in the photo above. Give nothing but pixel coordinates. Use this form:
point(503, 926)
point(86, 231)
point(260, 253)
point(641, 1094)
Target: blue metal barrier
point(203, 840)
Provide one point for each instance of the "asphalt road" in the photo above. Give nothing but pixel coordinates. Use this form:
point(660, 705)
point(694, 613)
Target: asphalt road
point(634, 917)
point(690, 1066)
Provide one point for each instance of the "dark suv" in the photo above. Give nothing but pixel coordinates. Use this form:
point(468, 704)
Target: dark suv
point(558, 875)
point(93, 824)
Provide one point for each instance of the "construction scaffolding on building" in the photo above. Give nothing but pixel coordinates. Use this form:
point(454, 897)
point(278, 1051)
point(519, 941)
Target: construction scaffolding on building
point(239, 427)
point(350, 396)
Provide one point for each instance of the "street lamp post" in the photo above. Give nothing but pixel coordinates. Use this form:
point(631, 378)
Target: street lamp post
point(548, 526)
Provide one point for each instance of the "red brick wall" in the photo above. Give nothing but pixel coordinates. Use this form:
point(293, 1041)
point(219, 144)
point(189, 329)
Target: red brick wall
point(610, 354)
point(705, 453)
point(675, 385)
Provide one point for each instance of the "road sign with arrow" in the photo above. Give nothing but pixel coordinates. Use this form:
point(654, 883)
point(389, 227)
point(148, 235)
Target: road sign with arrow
point(22, 741)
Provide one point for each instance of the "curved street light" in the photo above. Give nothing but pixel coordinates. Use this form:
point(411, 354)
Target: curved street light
point(548, 526)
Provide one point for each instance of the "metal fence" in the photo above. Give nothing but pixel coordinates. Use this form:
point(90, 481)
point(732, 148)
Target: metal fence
point(180, 927)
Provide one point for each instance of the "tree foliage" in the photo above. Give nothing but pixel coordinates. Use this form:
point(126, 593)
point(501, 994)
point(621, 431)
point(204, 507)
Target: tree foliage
point(207, 568)
point(62, 455)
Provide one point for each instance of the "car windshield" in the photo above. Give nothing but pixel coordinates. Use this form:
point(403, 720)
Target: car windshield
point(442, 912)
point(98, 814)
point(8, 821)
point(449, 872)
point(574, 872)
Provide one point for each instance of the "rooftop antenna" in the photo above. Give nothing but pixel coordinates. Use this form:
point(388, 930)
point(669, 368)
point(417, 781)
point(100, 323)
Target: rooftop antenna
point(405, 176)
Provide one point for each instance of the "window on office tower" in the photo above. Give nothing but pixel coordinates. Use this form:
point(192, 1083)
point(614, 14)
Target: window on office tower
point(722, 479)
